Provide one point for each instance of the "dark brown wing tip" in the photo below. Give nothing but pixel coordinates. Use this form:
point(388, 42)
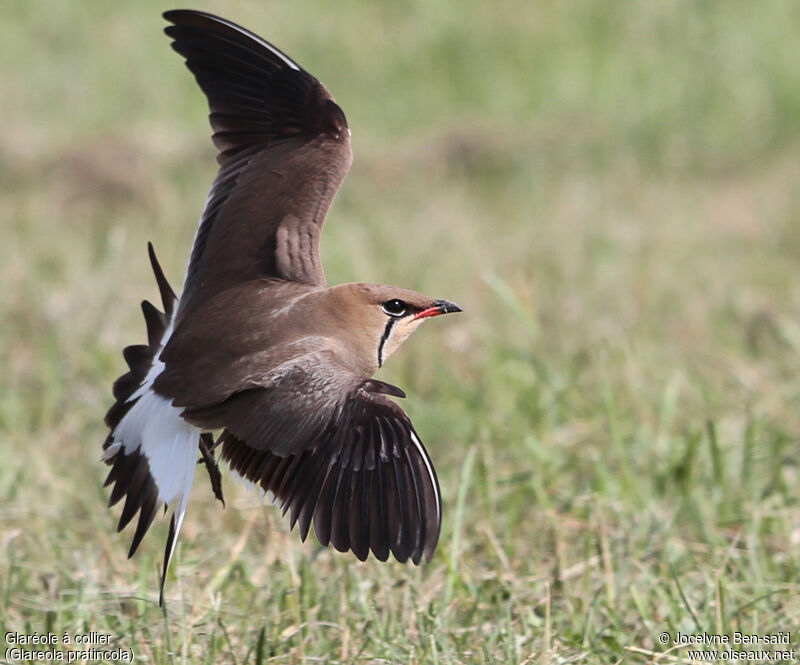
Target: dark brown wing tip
point(429, 547)
point(375, 493)
point(200, 19)
point(256, 93)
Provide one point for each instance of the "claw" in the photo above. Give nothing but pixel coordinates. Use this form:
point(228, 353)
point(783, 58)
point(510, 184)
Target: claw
point(207, 446)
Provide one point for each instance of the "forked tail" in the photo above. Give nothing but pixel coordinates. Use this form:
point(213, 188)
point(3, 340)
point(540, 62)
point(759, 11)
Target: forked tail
point(152, 451)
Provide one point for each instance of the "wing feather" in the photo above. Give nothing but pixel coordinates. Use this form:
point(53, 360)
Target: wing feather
point(347, 461)
point(284, 149)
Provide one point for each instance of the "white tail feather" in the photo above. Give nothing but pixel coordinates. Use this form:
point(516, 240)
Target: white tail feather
point(170, 444)
point(156, 429)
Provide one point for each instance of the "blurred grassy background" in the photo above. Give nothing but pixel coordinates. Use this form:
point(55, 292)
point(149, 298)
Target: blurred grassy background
point(610, 190)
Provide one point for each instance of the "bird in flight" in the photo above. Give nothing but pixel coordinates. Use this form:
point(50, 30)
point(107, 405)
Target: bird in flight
point(258, 346)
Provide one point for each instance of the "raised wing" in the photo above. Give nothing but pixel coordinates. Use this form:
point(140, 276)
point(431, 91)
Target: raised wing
point(284, 149)
point(345, 457)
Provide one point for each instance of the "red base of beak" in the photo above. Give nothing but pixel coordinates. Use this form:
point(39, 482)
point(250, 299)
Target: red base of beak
point(439, 307)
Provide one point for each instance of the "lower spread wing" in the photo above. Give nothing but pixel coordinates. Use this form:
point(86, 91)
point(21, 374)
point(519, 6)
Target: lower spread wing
point(284, 149)
point(335, 451)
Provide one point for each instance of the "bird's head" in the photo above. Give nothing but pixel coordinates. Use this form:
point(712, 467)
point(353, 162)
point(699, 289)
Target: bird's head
point(381, 318)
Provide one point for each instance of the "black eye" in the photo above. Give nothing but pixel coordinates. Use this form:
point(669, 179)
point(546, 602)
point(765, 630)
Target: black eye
point(394, 307)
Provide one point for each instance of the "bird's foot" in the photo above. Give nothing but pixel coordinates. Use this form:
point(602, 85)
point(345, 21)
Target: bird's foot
point(214, 475)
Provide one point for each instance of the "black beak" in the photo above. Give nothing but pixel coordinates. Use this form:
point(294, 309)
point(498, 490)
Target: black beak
point(438, 307)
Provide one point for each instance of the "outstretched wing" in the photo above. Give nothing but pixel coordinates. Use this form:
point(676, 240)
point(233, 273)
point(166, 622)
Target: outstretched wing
point(284, 149)
point(345, 457)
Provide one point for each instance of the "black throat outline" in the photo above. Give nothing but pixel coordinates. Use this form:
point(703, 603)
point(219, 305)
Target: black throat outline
point(386, 332)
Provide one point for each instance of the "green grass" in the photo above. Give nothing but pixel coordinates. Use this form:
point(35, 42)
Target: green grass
point(610, 192)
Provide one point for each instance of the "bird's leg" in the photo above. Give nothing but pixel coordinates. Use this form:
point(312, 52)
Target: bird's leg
point(207, 451)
